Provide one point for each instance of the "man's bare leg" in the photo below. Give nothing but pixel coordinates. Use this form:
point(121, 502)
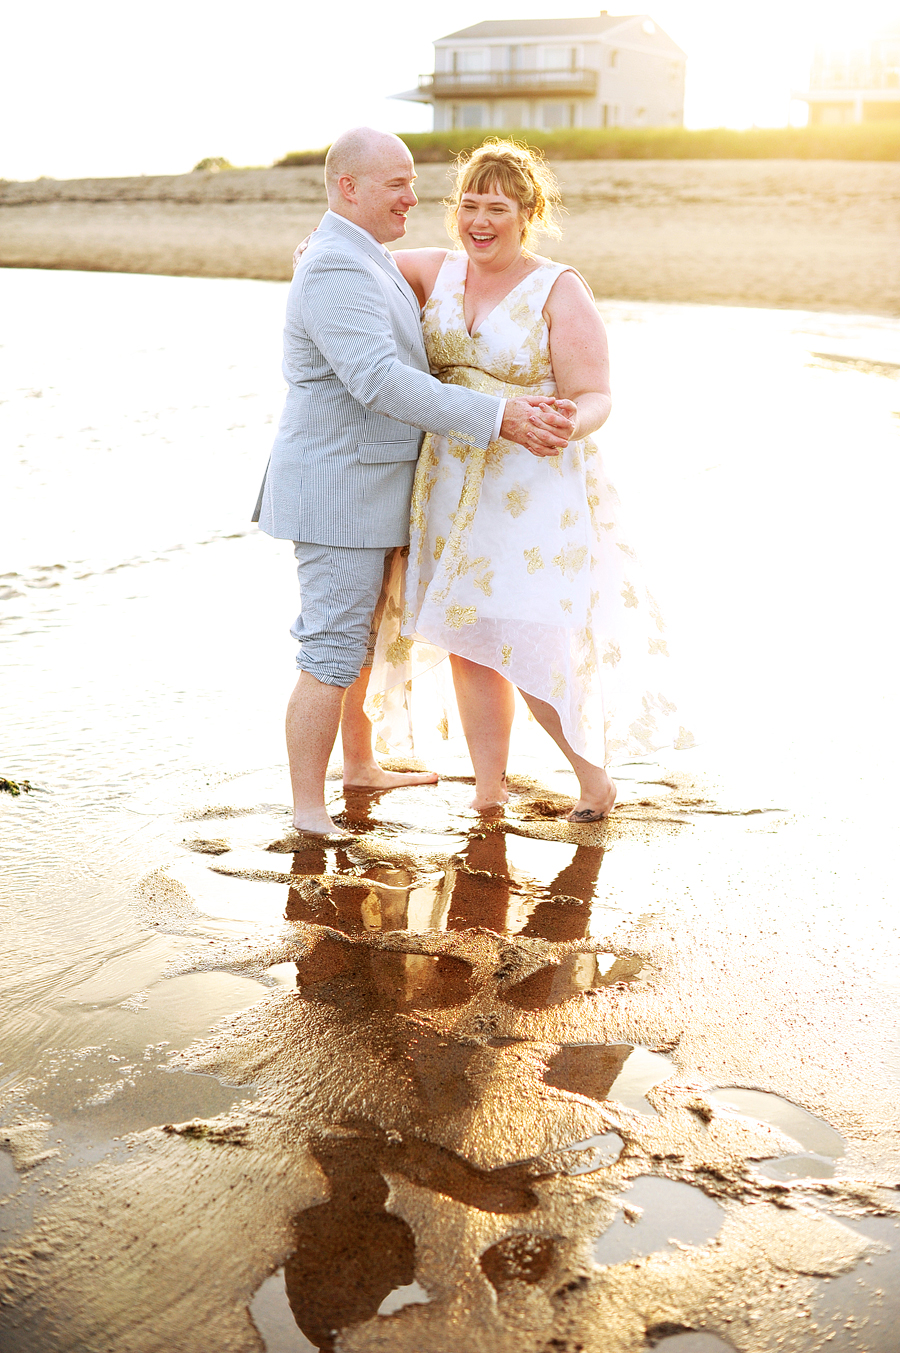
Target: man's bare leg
point(313, 716)
point(361, 770)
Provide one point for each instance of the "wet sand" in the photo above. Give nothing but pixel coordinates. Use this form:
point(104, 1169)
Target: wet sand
point(819, 235)
point(501, 1084)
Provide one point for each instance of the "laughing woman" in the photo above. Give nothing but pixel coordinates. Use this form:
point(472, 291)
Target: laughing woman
point(516, 566)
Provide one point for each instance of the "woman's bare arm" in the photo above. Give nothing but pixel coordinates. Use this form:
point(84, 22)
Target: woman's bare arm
point(420, 267)
point(578, 353)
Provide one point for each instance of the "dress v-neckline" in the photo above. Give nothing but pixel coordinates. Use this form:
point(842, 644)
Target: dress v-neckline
point(472, 332)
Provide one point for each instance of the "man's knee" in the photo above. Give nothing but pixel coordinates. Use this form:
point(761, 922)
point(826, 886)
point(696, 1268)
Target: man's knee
point(339, 594)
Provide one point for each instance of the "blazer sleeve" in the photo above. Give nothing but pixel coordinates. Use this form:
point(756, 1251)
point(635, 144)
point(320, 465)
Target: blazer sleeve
point(343, 311)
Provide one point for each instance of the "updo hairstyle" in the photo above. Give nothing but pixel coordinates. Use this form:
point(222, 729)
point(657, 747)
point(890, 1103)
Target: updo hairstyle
point(519, 173)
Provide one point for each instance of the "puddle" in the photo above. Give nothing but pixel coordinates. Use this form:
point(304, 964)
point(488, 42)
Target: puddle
point(658, 1214)
point(596, 1153)
point(271, 1313)
point(571, 977)
point(692, 1341)
point(861, 1309)
point(382, 978)
point(822, 1145)
point(615, 1071)
point(413, 1294)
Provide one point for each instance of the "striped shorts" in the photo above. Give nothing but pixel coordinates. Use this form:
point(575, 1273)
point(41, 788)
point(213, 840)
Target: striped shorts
point(341, 599)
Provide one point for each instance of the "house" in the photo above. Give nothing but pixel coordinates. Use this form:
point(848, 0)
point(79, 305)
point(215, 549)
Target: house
point(861, 85)
point(512, 74)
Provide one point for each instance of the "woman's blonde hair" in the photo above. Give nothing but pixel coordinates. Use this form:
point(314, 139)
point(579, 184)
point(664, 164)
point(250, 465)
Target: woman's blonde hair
point(519, 173)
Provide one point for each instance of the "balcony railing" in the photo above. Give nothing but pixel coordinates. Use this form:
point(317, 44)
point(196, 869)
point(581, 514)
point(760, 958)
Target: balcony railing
point(498, 84)
point(864, 78)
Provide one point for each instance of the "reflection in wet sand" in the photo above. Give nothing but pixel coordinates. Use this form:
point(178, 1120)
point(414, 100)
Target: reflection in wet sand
point(451, 1140)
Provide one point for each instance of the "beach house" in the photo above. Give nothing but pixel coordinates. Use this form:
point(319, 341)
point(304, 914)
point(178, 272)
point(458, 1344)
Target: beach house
point(859, 84)
point(611, 70)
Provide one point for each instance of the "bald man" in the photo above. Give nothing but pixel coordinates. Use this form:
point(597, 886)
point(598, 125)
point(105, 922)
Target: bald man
point(339, 480)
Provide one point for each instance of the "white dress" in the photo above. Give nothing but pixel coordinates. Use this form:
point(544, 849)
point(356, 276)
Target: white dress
point(516, 561)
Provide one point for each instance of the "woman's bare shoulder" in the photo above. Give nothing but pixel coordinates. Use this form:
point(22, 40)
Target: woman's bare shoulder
point(419, 264)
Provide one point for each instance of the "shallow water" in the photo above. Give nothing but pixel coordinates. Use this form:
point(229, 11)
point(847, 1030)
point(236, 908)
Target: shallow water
point(532, 996)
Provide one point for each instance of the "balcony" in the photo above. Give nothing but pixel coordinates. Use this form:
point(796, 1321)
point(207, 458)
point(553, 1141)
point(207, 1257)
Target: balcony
point(500, 84)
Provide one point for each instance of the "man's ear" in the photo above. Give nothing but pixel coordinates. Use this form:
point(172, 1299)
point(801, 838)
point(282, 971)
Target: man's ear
point(347, 187)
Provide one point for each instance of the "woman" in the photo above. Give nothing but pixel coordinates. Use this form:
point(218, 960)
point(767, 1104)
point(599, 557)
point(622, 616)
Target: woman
point(516, 568)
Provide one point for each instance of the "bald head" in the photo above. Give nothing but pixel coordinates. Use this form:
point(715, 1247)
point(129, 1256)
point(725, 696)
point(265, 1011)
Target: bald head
point(368, 179)
point(355, 152)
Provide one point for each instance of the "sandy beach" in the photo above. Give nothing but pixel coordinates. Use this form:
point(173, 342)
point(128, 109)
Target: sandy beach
point(507, 1085)
point(815, 235)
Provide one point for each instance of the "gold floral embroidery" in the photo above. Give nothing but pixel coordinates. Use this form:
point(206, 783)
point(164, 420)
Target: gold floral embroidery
point(484, 583)
point(516, 500)
point(568, 518)
point(613, 654)
point(626, 549)
point(399, 651)
point(533, 559)
point(439, 544)
point(570, 559)
point(685, 740)
point(655, 612)
point(657, 646)
point(558, 689)
point(566, 604)
point(629, 596)
point(666, 705)
point(443, 727)
point(457, 616)
point(506, 654)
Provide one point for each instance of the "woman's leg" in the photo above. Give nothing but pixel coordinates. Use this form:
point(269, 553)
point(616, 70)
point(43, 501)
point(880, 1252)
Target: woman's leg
point(598, 793)
point(486, 703)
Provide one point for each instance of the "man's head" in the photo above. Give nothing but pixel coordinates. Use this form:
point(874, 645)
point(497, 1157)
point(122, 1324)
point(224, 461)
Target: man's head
point(369, 180)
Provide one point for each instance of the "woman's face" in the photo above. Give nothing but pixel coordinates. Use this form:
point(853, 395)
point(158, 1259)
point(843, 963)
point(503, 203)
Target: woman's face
point(490, 226)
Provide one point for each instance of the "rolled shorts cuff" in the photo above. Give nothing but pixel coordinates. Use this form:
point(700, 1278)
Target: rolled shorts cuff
point(341, 591)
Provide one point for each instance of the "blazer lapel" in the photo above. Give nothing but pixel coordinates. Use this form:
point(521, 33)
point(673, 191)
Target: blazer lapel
point(374, 251)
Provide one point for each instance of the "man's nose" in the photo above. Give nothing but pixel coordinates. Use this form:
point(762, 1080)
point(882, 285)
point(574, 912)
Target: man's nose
point(410, 197)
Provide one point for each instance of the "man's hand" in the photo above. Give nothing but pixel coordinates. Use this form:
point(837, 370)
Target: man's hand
point(537, 423)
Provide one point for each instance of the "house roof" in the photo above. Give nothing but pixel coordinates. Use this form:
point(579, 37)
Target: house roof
point(540, 28)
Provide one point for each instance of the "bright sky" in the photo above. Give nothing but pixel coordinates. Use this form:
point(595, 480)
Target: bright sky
point(105, 88)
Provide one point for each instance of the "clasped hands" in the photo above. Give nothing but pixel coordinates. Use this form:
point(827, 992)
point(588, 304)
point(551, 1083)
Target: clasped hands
point(543, 424)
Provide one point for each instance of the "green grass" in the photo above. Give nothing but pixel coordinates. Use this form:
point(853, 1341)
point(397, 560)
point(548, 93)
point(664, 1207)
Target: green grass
point(869, 141)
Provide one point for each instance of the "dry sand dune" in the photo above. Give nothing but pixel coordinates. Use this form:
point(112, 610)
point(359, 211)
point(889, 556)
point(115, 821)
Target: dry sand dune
point(820, 235)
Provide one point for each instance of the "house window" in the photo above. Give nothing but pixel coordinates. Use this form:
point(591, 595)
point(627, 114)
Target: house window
point(473, 115)
point(560, 58)
point(470, 59)
point(556, 115)
point(511, 115)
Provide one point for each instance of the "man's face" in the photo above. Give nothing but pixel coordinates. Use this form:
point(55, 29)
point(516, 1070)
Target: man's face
point(384, 195)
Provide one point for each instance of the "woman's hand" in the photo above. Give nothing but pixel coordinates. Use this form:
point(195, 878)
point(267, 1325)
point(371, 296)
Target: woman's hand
point(532, 421)
point(302, 248)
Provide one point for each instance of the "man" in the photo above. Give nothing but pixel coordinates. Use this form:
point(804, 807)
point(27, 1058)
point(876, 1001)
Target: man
point(340, 476)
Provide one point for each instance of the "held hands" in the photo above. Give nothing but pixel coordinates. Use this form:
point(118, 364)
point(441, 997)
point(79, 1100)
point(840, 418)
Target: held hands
point(542, 424)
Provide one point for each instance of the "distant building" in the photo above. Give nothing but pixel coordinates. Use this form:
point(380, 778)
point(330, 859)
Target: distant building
point(856, 86)
point(507, 74)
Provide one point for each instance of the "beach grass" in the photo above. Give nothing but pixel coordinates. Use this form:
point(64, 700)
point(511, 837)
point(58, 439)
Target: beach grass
point(868, 141)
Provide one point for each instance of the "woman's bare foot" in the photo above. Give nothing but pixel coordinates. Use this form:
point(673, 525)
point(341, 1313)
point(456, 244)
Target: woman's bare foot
point(373, 777)
point(488, 797)
point(598, 794)
point(316, 822)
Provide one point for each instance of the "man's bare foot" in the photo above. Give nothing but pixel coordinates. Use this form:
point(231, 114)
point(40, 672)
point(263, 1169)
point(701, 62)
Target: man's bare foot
point(597, 799)
point(373, 777)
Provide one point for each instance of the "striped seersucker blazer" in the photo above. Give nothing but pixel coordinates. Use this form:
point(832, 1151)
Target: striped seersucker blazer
point(359, 398)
